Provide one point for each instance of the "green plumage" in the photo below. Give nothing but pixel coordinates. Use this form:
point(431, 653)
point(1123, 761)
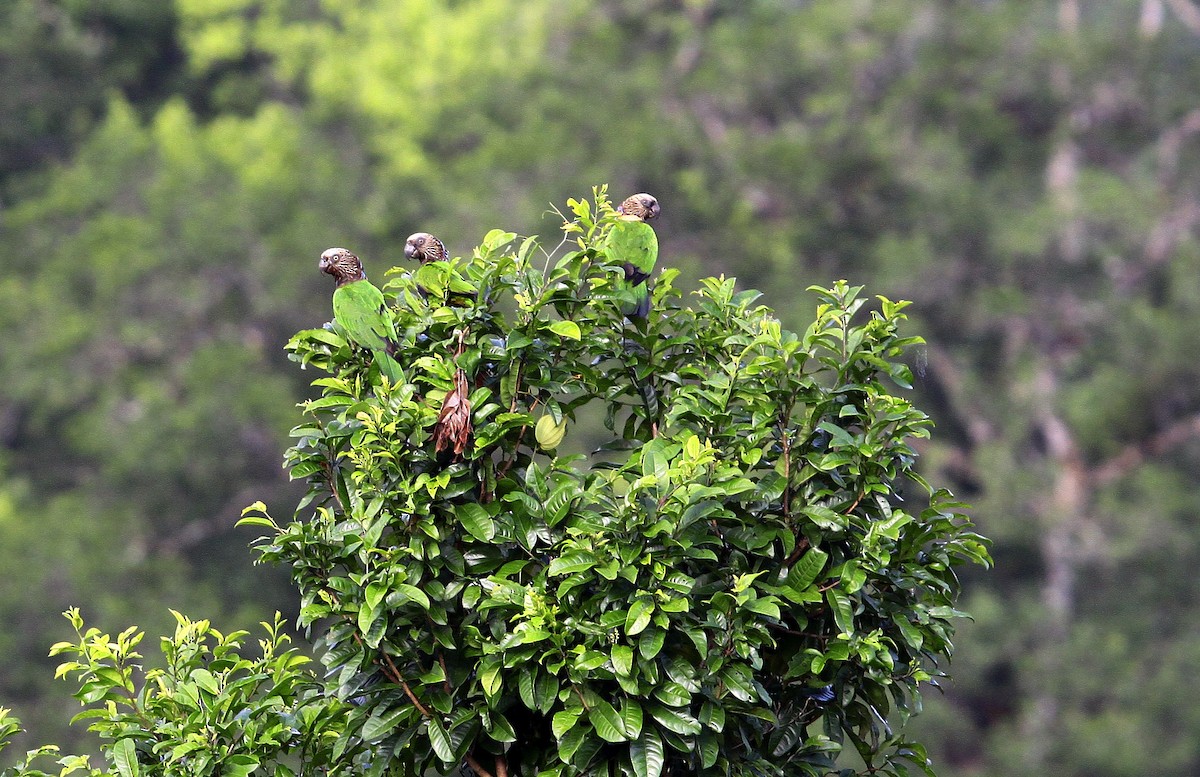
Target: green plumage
point(632, 243)
point(359, 310)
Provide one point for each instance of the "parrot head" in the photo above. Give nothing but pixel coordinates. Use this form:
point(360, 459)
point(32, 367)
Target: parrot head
point(643, 206)
point(342, 265)
point(424, 247)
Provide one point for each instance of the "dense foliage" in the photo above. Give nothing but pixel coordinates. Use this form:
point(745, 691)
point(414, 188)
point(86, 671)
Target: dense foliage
point(211, 709)
point(672, 608)
point(1023, 170)
point(735, 587)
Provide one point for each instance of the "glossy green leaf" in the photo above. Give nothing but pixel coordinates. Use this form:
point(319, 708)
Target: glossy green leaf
point(563, 721)
point(476, 521)
point(606, 721)
point(843, 614)
point(638, 617)
point(646, 754)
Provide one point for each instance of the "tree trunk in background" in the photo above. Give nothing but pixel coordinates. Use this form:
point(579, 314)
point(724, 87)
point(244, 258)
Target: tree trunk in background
point(1063, 509)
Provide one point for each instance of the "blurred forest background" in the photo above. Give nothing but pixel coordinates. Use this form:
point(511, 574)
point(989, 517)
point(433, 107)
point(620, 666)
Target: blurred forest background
point(1028, 171)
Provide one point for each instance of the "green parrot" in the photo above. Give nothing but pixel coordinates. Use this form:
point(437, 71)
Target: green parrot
point(359, 310)
point(632, 242)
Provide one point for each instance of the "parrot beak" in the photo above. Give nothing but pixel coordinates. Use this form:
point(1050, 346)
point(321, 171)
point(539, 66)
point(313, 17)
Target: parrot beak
point(410, 250)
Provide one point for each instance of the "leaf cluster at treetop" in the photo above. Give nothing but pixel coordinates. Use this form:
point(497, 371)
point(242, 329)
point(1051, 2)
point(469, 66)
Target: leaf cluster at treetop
point(731, 585)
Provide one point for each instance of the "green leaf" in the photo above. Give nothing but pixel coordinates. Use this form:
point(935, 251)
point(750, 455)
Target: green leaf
point(710, 750)
point(712, 716)
point(767, 605)
point(826, 518)
point(646, 753)
point(369, 621)
point(206, 680)
point(651, 643)
point(526, 678)
point(239, 766)
point(843, 613)
point(256, 520)
point(414, 594)
point(673, 694)
point(374, 595)
point(805, 571)
point(638, 617)
point(476, 521)
point(125, 758)
point(567, 329)
point(563, 721)
point(631, 718)
point(439, 740)
point(496, 239)
point(490, 678)
point(501, 730)
point(622, 659)
point(381, 723)
point(571, 741)
point(912, 635)
point(606, 721)
point(674, 720)
point(738, 681)
point(572, 562)
point(545, 691)
point(589, 660)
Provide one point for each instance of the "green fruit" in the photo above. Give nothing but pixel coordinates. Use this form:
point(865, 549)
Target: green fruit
point(549, 434)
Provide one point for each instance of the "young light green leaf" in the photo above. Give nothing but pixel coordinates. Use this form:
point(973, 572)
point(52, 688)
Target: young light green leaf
point(567, 329)
point(638, 617)
point(125, 758)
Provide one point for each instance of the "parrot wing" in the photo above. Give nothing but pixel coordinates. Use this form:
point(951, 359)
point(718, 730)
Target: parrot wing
point(632, 243)
point(358, 307)
point(359, 310)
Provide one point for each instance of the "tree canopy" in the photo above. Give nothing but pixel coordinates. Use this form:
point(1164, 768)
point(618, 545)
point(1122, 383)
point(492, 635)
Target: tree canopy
point(749, 577)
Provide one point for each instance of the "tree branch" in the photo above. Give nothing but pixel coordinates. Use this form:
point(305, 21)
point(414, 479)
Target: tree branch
point(1187, 13)
point(478, 767)
point(1133, 455)
point(1150, 20)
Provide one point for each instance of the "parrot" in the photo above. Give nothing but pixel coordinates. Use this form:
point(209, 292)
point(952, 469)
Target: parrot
point(359, 310)
point(632, 242)
point(426, 248)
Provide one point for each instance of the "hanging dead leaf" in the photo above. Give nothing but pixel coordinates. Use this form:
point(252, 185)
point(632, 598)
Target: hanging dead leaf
point(453, 428)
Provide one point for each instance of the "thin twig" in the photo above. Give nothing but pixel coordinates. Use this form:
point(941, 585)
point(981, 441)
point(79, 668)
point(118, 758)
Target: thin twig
point(445, 673)
point(398, 678)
